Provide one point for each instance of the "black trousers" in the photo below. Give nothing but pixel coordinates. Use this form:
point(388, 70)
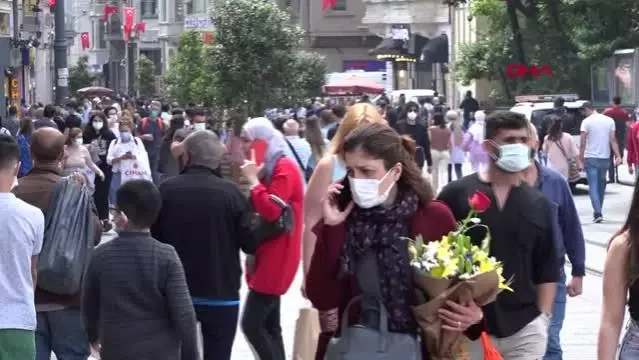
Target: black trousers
point(261, 325)
point(458, 172)
point(218, 326)
point(101, 193)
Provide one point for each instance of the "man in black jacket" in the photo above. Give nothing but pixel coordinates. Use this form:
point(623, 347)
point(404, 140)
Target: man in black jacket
point(208, 221)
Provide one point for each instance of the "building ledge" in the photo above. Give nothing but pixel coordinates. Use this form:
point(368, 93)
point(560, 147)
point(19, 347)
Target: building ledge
point(339, 14)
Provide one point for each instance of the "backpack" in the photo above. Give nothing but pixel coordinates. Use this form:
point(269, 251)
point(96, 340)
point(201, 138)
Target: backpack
point(145, 122)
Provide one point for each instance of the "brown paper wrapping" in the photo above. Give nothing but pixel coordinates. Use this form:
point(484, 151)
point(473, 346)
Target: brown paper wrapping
point(442, 344)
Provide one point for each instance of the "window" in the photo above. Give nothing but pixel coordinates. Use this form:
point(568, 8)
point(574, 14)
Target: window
point(149, 8)
point(154, 55)
point(340, 5)
point(100, 41)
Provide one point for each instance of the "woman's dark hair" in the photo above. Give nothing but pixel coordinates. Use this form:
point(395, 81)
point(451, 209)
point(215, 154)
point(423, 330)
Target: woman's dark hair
point(73, 133)
point(313, 135)
point(632, 227)
point(411, 105)
point(89, 131)
point(177, 122)
point(392, 116)
point(177, 111)
point(26, 126)
point(140, 201)
point(555, 131)
point(380, 141)
point(438, 120)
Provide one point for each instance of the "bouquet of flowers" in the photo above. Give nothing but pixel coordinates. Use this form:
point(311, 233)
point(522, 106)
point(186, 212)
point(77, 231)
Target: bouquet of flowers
point(454, 269)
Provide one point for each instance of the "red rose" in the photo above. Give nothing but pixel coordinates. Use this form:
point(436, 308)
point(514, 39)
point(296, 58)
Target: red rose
point(479, 202)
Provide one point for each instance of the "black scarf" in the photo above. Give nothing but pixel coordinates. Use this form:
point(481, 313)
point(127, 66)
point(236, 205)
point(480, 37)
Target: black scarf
point(379, 229)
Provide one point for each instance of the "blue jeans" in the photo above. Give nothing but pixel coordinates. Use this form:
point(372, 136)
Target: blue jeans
point(553, 352)
point(116, 179)
point(630, 343)
point(62, 332)
point(596, 174)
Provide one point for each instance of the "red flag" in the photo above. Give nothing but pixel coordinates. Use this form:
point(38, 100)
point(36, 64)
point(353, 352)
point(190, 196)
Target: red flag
point(51, 3)
point(140, 27)
point(109, 9)
point(328, 4)
point(129, 18)
point(84, 40)
point(207, 38)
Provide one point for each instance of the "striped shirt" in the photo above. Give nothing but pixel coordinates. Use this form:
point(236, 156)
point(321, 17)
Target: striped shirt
point(136, 301)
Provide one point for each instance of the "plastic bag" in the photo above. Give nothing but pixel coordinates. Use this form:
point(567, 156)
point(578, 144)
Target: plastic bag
point(69, 238)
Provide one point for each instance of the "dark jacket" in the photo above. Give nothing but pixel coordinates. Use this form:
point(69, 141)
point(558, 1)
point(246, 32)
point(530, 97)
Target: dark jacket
point(208, 221)
point(136, 303)
point(431, 221)
point(36, 188)
point(419, 133)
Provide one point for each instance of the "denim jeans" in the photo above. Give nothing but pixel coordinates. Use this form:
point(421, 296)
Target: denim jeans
point(553, 352)
point(261, 326)
point(596, 174)
point(116, 179)
point(62, 332)
point(630, 344)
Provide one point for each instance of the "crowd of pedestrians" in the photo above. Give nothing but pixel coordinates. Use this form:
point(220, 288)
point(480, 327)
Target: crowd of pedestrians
point(329, 188)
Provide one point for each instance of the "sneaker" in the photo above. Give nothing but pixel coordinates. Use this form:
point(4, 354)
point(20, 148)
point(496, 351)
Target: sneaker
point(106, 226)
point(598, 219)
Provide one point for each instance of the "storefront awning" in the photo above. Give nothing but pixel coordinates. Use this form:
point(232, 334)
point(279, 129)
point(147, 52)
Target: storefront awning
point(392, 50)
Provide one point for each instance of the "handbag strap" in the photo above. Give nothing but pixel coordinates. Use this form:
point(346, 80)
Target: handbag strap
point(295, 154)
point(561, 148)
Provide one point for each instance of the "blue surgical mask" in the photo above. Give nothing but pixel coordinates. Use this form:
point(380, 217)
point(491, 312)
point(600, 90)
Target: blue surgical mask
point(125, 136)
point(199, 126)
point(512, 157)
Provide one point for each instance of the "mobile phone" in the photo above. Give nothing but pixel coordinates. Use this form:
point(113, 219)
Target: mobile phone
point(345, 196)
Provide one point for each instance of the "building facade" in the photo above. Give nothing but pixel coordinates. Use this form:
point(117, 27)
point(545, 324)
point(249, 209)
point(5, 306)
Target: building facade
point(338, 34)
point(464, 31)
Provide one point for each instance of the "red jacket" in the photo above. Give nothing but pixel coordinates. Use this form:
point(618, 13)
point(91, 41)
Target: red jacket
point(326, 290)
point(632, 145)
point(277, 260)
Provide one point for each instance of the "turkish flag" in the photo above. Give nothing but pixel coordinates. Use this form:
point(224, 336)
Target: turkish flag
point(207, 38)
point(109, 9)
point(129, 18)
point(328, 4)
point(84, 40)
point(140, 27)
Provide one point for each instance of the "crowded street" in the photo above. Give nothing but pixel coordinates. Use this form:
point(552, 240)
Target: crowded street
point(579, 334)
point(319, 180)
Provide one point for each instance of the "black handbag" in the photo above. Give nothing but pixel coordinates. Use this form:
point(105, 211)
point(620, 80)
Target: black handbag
point(265, 230)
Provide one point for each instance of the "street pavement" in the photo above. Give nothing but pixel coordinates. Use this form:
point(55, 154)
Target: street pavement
point(579, 335)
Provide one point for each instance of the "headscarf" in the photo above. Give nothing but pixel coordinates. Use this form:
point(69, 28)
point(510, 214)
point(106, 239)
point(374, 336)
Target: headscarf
point(262, 129)
point(478, 128)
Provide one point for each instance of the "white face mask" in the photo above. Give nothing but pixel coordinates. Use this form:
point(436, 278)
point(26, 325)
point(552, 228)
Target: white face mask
point(79, 141)
point(411, 115)
point(199, 126)
point(113, 118)
point(98, 125)
point(512, 157)
point(366, 191)
point(187, 123)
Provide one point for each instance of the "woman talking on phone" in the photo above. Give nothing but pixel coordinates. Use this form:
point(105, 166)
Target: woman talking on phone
point(359, 248)
point(277, 259)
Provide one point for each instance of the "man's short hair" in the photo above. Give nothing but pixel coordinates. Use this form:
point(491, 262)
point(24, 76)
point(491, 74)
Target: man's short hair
point(559, 102)
point(504, 120)
point(140, 201)
point(13, 110)
point(9, 152)
point(49, 111)
point(204, 148)
point(587, 105)
point(616, 100)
